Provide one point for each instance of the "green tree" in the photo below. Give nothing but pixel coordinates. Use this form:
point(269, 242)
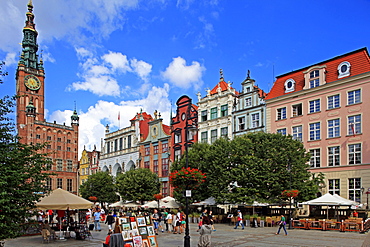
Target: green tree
point(253, 167)
point(22, 171)
point(138, 185)
point(102, 186)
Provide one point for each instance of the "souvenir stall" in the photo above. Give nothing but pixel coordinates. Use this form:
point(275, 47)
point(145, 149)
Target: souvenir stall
point(134, 231)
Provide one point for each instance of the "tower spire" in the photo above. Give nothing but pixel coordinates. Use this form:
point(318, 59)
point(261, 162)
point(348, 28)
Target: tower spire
point(29, 42)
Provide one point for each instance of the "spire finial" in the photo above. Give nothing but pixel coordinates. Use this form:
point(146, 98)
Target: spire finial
point(221, 74)
point(30, 6)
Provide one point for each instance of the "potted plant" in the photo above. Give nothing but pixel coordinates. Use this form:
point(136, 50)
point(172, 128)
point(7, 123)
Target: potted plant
point(246, 219)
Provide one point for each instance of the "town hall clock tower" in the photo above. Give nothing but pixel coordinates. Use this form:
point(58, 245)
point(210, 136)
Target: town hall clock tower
point(29, 76)
point(61, 140)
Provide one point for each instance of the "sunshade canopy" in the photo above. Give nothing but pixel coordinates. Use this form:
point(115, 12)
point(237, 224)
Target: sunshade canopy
point(167, 202)
point(331, 200)
point(60, 199)
point(125, 204)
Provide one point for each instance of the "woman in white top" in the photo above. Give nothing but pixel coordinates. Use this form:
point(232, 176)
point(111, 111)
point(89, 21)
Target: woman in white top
point(169, 222)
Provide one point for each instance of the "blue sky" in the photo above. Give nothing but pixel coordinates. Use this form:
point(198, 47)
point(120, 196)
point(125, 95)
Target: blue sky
point(126, 55)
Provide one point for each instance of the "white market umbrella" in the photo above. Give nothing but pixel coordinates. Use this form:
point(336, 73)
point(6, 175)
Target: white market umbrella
point(60, 199)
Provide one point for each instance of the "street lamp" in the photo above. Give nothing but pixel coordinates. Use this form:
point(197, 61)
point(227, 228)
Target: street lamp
point(191, 116)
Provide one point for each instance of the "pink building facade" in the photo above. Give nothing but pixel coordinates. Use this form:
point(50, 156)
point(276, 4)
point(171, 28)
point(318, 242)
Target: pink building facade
point(327, 107)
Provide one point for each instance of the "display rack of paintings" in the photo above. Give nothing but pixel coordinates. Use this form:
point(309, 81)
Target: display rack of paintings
point(136, 231)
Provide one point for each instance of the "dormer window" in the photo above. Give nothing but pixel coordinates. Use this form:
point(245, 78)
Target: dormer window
point(314, 79)
point(289, 85)
point(344, 69)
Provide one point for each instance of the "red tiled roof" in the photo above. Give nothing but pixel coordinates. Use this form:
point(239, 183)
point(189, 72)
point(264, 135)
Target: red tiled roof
point(223, 86)
point(166, 129)
point(359, 60)
point(144, 115)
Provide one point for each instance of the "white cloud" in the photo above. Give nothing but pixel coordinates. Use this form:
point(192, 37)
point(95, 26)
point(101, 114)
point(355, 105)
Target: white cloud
point(69, 20)
point(99, 75)
point(10, 59)
point(182, 75)
point(141, 68)
point(92, 123)
point(117, 61)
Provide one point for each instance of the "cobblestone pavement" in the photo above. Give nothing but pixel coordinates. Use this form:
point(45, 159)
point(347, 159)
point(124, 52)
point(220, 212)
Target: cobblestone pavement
point(224, 236)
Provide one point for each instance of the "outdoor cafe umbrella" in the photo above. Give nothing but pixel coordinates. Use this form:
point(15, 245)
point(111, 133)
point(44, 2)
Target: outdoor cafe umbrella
point(60, 199)
point(330, 200)
point(162, 204)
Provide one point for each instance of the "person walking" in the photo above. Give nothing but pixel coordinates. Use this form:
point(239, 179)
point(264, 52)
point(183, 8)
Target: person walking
point(110, 220)
point(205, 233)
point(177, 223)
point(210, 217)
point(239, 220)
point(155, 219)
point(97, 216)
point(282, 224)
point(204, 214)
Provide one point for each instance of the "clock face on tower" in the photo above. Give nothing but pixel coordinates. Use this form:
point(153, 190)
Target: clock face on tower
point(32, 82)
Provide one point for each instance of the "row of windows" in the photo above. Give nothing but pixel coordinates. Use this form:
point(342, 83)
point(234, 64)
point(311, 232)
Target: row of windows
point(156, 149)
point(354, 155)
point(353, 97)
point(165, 166)
point(333, 129)
point(214, 113)
point(214, 136)
point(49, 184)
point(59, 165)
point(59, 148)
point(48, 138)
point(354, 188)
point(118, 144)
point(255, 121)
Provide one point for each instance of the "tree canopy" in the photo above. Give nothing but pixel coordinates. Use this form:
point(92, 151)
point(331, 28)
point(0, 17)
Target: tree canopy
point(138, 185)
point(253, 167)
point(22, 171)
point(100, 185)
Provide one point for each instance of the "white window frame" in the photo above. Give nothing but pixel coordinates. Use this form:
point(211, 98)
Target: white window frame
point(334, 156)
point(315, 131)
point(334, 186)
point(354, 124)
point(334, 128)
point(315, 159)
point(248, 102)
point(354, 154)
point(297, 133)
point(281, 113)
point(354, 189)
point(314, 106)
point(333, 101)
point(255, 120)
point(354, 97)
point(241, 123)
